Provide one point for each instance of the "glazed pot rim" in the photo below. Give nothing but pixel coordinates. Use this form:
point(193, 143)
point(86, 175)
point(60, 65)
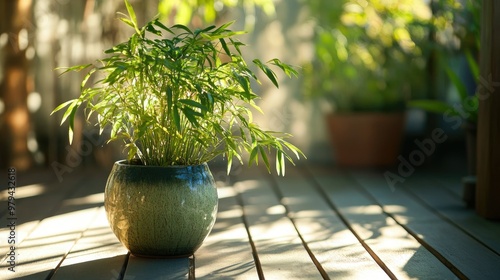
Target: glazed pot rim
point(124, 162)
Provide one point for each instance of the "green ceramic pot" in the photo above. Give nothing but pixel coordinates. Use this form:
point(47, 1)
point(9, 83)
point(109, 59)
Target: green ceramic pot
point(161, 211)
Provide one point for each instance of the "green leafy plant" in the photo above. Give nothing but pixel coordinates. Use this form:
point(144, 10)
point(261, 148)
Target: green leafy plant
point(183, 11)
point(180, 100)
point(468, 105)
point(371, 55)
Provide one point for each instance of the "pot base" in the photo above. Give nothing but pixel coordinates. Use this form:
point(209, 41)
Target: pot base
point(161, 256)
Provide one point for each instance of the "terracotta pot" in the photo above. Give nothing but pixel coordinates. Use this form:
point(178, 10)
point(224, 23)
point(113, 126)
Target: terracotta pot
point(161, 211)
point(366, 139)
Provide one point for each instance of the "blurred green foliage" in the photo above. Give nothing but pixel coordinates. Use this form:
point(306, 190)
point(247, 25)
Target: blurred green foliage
point(201, 12)
point(468, 31)
point(468, 27)
point(372, 55)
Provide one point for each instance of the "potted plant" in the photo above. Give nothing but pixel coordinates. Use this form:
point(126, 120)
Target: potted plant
point(176, 103)
point(370, 57)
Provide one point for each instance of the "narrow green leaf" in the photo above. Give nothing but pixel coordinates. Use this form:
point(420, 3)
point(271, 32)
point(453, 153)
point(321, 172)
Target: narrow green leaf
point(115, 129)
point(204, 31)
point(224, 46)
point(294, 149)
point(191, 115)
point(459, 85)
point(230, 143)
point(70, 111)
point(245, 84)
point(214, 36)
point(237, 155)
point(177, 118)
point(209, 101)
point(287, 69)
point(269, 73)
point(133, 18)
point(63, 105)
point(264, 157)
point(236, 44)
point(472, 65)
point(224, 26)
point(242, 134)
point(151, 29)
point(193, 103)
point(162, 26)
point(71, 124)
point(86, 78)
point(127, 22)
point(254, 156)
point(76, 68)
point(132, 151)
point(256, 107)
point(229, 161)
point(112, 78)
point(70, 134)
point(183, 27)
point(434, 106)
point(169, 99)
point(280, 163)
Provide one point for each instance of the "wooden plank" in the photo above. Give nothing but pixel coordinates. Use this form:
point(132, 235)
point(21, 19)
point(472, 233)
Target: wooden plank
point(89, 193)
point(226, 253)
point(434, 195)
point(45, 247)
point(34, 202)
point(464, 255)
point(329, 239)
point(488, 129)
point(158, 269)
point(280, 251)
point(452, 183)
point(37, 176)
point(401, 253)
point(96, 255)
point(41, 251)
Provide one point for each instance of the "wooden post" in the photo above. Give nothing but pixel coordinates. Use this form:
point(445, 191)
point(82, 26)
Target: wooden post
point(15, 122)
point(488, 138)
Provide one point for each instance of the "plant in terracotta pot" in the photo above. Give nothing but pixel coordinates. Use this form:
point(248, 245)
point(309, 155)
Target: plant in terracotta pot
point(176, 102)
point(370, 57)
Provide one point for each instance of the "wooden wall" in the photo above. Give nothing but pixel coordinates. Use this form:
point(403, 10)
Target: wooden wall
point(488, 163)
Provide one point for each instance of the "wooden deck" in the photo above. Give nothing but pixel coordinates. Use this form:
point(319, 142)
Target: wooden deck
point(315, 223)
